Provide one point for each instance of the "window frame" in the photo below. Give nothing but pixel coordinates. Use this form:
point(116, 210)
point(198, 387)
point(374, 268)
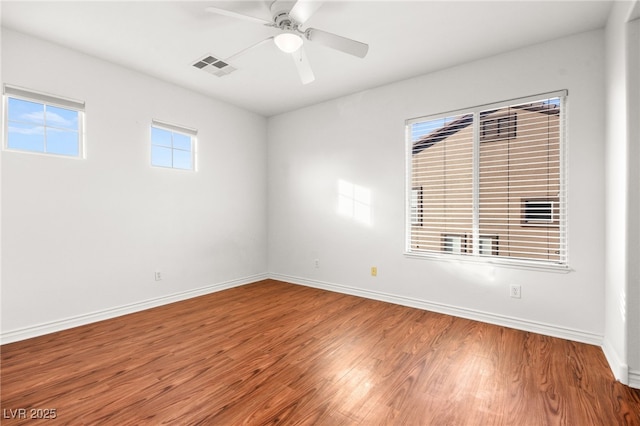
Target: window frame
point(473, 254)
point(46, 100)
point(174, 129)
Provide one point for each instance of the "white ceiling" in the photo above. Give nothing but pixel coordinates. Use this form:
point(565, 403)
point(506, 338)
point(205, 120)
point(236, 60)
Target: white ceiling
point(406, 39)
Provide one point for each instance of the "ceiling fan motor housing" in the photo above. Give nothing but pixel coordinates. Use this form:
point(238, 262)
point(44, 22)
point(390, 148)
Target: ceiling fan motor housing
point(283, 21)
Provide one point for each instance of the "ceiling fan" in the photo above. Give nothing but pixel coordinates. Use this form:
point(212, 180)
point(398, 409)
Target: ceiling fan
point(288, 19)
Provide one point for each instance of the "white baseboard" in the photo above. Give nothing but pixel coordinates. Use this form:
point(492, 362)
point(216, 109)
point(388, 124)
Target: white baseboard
point(619, 368)
point(634, 379)
point(502, 320)
point(59, 325)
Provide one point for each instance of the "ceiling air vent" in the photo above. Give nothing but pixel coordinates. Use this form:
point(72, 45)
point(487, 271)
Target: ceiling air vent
point(214, 66)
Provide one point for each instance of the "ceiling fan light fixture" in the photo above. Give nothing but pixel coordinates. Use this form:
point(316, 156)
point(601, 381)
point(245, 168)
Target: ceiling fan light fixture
point(288, 42)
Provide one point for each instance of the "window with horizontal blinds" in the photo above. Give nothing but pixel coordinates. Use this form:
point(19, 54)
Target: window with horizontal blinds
point(488, 182)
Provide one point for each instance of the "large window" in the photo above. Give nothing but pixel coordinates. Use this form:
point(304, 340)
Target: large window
point(41, 123)
point(488, 182)
point(172, 146)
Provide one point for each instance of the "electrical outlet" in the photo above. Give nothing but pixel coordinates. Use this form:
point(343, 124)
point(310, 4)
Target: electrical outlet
point(515, 291)
point(317, 263)
point(374, 271)
point(158, 276)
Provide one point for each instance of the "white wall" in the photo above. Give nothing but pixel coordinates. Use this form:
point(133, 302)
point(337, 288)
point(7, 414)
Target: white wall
point(616, 190)
point(360, 139)
point(622, 298)
point(81, 239)
point(633, 104)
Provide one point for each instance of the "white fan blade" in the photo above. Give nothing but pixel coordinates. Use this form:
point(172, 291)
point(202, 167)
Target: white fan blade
point(237, 15)
point(303, 9)
point(243, 51)
point(337, 42)
point(303, 66)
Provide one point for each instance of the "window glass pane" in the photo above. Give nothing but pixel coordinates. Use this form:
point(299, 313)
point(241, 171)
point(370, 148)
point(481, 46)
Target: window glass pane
point(441, 165)
point(36, 126)
point(26, 137)
point(25, 111)
point(62, 118)
point(161, 156)
point(181, 141)
point(182, 159)
point(160, 137)
point(519, 170)
point(177, 148)
point(62, 142)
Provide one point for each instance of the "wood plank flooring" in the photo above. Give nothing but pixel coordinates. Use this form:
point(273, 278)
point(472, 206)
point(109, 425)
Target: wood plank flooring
point(277, 353)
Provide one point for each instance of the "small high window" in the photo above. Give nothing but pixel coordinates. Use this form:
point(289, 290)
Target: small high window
point(41, 123)
point(172, 146)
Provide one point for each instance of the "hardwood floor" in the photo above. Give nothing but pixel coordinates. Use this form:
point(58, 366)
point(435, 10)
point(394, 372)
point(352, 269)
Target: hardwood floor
point(273, 352)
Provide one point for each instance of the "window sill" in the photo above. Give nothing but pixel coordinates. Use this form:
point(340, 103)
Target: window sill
point(499, 262)
point(44, 154)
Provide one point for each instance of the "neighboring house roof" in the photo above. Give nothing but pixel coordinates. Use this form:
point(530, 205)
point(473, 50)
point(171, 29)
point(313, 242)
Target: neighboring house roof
point(442, 133)
point(455, 126)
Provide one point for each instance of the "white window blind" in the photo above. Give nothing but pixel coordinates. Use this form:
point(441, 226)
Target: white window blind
point(488, 181)
point(44, 98)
